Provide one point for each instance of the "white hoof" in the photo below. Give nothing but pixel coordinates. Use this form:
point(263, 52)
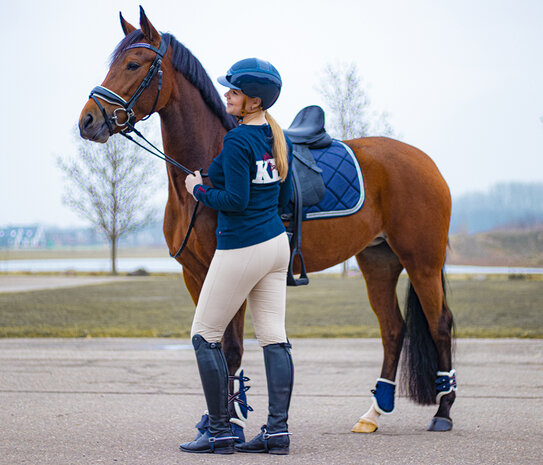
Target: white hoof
point(364, 426)
point(368, 422)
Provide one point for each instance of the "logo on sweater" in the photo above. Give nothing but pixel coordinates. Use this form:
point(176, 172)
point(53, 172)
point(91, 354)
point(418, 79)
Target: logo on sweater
point(266, 171)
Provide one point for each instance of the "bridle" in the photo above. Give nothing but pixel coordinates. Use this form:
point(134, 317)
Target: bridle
point(103, 93)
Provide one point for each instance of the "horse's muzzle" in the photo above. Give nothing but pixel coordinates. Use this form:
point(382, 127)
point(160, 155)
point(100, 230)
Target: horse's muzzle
point(93, 127)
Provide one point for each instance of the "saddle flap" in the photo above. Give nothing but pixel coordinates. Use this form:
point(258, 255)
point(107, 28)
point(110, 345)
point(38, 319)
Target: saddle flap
point(308, 177)
point(302, 154)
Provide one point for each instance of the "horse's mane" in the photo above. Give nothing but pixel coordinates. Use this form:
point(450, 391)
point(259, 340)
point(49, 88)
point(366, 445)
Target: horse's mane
point(185, 62)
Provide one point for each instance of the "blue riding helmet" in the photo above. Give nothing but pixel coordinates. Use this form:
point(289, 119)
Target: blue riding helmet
point(255, 78)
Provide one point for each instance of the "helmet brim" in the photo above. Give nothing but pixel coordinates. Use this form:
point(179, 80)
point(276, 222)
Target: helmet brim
point(223, 81)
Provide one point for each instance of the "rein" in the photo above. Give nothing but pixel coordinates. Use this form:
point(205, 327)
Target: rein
point(171, 161)
point(103, 93)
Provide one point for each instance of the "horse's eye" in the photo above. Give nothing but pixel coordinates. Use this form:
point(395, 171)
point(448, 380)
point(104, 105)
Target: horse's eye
point(132, 66)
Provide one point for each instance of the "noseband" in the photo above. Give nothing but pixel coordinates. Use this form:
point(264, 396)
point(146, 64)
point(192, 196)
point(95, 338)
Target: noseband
point(103, 93)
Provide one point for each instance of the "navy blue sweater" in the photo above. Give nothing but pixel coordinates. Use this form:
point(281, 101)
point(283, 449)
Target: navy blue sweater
point(246, 190)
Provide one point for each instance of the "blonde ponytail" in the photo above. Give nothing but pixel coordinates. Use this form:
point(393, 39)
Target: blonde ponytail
point(279, 149)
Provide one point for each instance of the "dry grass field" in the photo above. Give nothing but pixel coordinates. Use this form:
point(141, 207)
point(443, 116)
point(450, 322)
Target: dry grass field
point(331, 306)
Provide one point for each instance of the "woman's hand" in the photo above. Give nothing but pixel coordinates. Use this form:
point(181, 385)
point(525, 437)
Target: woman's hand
point(191, 180)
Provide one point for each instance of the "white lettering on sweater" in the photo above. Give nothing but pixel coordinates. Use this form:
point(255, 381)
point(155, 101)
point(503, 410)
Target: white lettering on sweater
point(266, 171)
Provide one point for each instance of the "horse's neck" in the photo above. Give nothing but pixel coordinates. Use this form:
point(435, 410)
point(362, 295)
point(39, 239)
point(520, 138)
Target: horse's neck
point(191, 134)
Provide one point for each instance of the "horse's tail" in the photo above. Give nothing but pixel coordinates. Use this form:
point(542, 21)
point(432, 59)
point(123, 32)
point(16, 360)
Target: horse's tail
point(419, 358)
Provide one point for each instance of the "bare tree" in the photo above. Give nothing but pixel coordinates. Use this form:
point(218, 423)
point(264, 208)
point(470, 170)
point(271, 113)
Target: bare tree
point(110, 186)
point(348, 110)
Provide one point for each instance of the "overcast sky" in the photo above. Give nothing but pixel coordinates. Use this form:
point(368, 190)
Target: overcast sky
point(462, 80)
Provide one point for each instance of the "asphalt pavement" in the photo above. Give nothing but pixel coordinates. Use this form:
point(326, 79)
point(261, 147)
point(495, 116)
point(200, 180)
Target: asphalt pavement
point(36, 282)
point(132, 401)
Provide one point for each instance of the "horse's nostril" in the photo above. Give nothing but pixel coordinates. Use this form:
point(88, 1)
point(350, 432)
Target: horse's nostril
point(88, 121)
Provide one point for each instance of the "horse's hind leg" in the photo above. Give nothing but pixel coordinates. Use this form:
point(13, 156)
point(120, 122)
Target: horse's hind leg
point(381, 269)
point(430, 360)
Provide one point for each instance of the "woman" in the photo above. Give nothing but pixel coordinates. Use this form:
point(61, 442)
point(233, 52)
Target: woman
point(251, 180)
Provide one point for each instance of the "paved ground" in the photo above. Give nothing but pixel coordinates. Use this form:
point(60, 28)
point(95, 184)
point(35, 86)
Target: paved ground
point(132, 401)
point(21, 283)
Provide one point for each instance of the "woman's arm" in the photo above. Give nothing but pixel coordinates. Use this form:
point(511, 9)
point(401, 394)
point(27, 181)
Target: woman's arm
point(235, 196)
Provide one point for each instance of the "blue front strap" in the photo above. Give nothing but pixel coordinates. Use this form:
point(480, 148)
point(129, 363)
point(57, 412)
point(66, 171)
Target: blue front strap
point(239, 396)
point(383, 395)
point(445, 383)
point(203, 424)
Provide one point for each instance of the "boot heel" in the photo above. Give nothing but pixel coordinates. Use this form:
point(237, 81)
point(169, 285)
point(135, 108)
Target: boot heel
point(224, 450)
point(282, 451)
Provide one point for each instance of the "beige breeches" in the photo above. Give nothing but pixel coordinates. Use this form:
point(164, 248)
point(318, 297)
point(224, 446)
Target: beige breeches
point(257, 273)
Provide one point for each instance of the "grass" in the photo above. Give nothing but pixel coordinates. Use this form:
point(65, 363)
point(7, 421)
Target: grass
point(159, 306)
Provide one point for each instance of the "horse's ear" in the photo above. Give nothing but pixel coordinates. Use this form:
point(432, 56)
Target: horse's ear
point(149, 32)
point(127, 27)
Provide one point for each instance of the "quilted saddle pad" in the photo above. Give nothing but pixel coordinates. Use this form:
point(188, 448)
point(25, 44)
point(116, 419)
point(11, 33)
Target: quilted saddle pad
point(343, 180)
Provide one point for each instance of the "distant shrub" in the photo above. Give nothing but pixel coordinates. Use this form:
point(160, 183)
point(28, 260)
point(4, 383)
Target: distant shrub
point(139, 272)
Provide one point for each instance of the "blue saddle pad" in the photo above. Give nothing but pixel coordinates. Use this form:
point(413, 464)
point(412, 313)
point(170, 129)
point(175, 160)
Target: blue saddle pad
point(344, 183)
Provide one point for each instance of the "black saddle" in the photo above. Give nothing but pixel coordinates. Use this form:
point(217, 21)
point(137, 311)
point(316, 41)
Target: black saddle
point(308, 128)
point(306, 132)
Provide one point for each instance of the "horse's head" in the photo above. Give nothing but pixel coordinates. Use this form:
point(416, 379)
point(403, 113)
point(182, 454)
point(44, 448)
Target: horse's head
point(134, 86)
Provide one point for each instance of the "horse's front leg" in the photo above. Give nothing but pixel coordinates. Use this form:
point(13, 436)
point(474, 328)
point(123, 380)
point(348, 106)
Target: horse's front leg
point(232, 345)
point(232, 341)
point(381, 269)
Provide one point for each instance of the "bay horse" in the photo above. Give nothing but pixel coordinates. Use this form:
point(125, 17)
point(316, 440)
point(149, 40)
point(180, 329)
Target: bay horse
point(403, 224)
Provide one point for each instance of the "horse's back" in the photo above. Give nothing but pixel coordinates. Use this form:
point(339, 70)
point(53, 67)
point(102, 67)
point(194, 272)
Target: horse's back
point(399, 167)
point(394, 154)
point(406, 187)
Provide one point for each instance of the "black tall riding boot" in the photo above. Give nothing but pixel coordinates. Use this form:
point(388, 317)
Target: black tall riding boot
point(274, 435)
point(218, 438)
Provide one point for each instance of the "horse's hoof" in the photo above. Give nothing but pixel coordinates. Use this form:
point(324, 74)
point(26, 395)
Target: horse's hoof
point(364, 426)
point(440, 424)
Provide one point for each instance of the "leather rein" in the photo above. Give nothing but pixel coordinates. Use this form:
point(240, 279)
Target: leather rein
point(103, 93)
